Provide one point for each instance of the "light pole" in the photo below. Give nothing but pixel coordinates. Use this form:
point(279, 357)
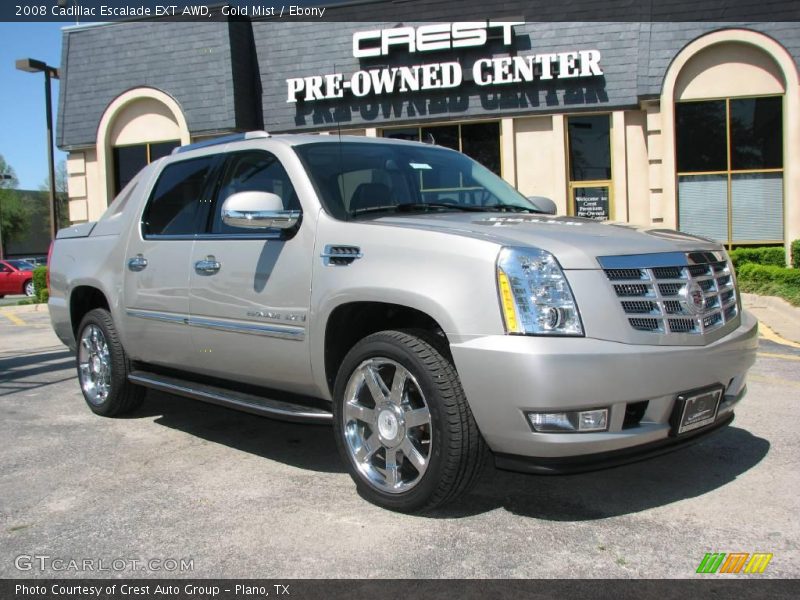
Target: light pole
point(30, 65)
point(2, 250)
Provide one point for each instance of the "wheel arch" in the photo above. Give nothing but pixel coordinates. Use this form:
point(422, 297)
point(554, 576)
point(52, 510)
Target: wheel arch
point(82, 299)
point(349, 322)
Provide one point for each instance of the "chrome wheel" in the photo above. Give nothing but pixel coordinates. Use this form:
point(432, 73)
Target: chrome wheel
point(30, 290)
point(387, 425)
point(94, 365)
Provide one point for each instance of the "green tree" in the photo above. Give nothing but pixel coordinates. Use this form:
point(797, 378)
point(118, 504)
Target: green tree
point(8, 178)
point(14, 214)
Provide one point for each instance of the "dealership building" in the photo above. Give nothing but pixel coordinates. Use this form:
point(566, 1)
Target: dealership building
point(674, 124)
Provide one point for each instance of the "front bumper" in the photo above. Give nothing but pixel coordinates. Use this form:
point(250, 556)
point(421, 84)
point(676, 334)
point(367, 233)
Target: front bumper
point(506, 376)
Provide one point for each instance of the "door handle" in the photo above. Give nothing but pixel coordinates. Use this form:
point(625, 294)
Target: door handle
point(137, 263)
point(208, 266)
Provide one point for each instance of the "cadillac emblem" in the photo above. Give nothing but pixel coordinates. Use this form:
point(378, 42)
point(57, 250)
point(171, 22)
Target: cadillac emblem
point(693, 298)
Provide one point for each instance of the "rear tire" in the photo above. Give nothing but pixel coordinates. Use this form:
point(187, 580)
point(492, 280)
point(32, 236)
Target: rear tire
point(29, 289)
point(103, 367)
point(402, 423)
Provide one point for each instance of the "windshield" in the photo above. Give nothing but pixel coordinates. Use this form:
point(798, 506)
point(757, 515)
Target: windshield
point(356, 178)
point(21, 265)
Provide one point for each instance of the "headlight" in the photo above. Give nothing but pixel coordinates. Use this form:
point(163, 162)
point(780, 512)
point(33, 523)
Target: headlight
point(534, 294)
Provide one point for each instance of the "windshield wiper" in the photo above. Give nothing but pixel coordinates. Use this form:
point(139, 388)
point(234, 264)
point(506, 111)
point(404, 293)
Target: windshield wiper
point(512, 208)
point(409, 206)
point(372, 209)
point(423, 206)
point(414, 206)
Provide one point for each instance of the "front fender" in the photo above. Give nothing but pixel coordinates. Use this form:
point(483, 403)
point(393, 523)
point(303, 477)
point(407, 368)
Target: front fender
point(448, 277)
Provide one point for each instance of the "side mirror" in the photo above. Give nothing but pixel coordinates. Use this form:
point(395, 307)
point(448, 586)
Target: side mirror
point(257, 210)
point(546, 205)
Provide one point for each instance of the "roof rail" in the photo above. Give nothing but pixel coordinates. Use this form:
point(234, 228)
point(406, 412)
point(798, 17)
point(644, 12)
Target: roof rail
point(225, 139)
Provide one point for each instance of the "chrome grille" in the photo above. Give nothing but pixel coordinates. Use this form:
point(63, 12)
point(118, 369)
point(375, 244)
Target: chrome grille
point(645, 324)
point(670, 289)
point(682, 326)
point(631, 290)
point(693, 298)
point(639, 307)
point(616, 274)
point(340, 255)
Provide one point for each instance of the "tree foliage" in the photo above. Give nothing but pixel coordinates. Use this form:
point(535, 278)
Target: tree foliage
point(8, 178)
point(14, 214)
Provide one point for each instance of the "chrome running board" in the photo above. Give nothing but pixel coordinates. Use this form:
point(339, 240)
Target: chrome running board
point(267, 407)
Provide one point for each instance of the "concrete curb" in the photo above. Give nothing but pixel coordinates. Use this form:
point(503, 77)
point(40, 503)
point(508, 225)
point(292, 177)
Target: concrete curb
point(777, 314)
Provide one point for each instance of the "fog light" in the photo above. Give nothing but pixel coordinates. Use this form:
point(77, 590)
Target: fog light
point(593, 420)
point(574, 421)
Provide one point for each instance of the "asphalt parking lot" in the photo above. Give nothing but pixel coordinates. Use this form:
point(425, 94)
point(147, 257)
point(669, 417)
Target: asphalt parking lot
point(244, 496)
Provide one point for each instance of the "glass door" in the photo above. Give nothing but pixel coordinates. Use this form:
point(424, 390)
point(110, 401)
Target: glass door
point(589, 156)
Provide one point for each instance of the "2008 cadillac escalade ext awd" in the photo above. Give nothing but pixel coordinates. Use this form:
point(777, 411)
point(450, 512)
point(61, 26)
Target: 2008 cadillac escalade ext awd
point(407, 295)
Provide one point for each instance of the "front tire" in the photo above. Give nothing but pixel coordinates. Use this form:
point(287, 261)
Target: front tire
point(402, 423)
point(29, 289)
point(103, 367)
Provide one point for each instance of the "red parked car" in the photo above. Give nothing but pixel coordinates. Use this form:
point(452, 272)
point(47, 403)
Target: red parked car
point(16, 277)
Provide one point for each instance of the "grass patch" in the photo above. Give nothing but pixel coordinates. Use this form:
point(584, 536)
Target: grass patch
point(763, 271)
point(769, 280)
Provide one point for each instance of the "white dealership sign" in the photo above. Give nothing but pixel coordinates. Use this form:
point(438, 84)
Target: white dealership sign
point(441, 75)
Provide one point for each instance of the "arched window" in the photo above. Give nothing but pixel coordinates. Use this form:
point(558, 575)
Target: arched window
point(728, 97)
point(137, 128)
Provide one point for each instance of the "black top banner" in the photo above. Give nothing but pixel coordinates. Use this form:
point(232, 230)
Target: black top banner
point(96, 11)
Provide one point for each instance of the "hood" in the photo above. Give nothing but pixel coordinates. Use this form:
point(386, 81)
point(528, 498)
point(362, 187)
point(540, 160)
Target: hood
point(575, 242)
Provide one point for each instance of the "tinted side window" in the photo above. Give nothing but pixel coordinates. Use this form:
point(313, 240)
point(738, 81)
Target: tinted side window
point(174, 205)
point(256, 171)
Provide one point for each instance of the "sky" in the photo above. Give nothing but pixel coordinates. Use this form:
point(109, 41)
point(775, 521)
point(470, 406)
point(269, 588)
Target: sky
point(23, 132)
